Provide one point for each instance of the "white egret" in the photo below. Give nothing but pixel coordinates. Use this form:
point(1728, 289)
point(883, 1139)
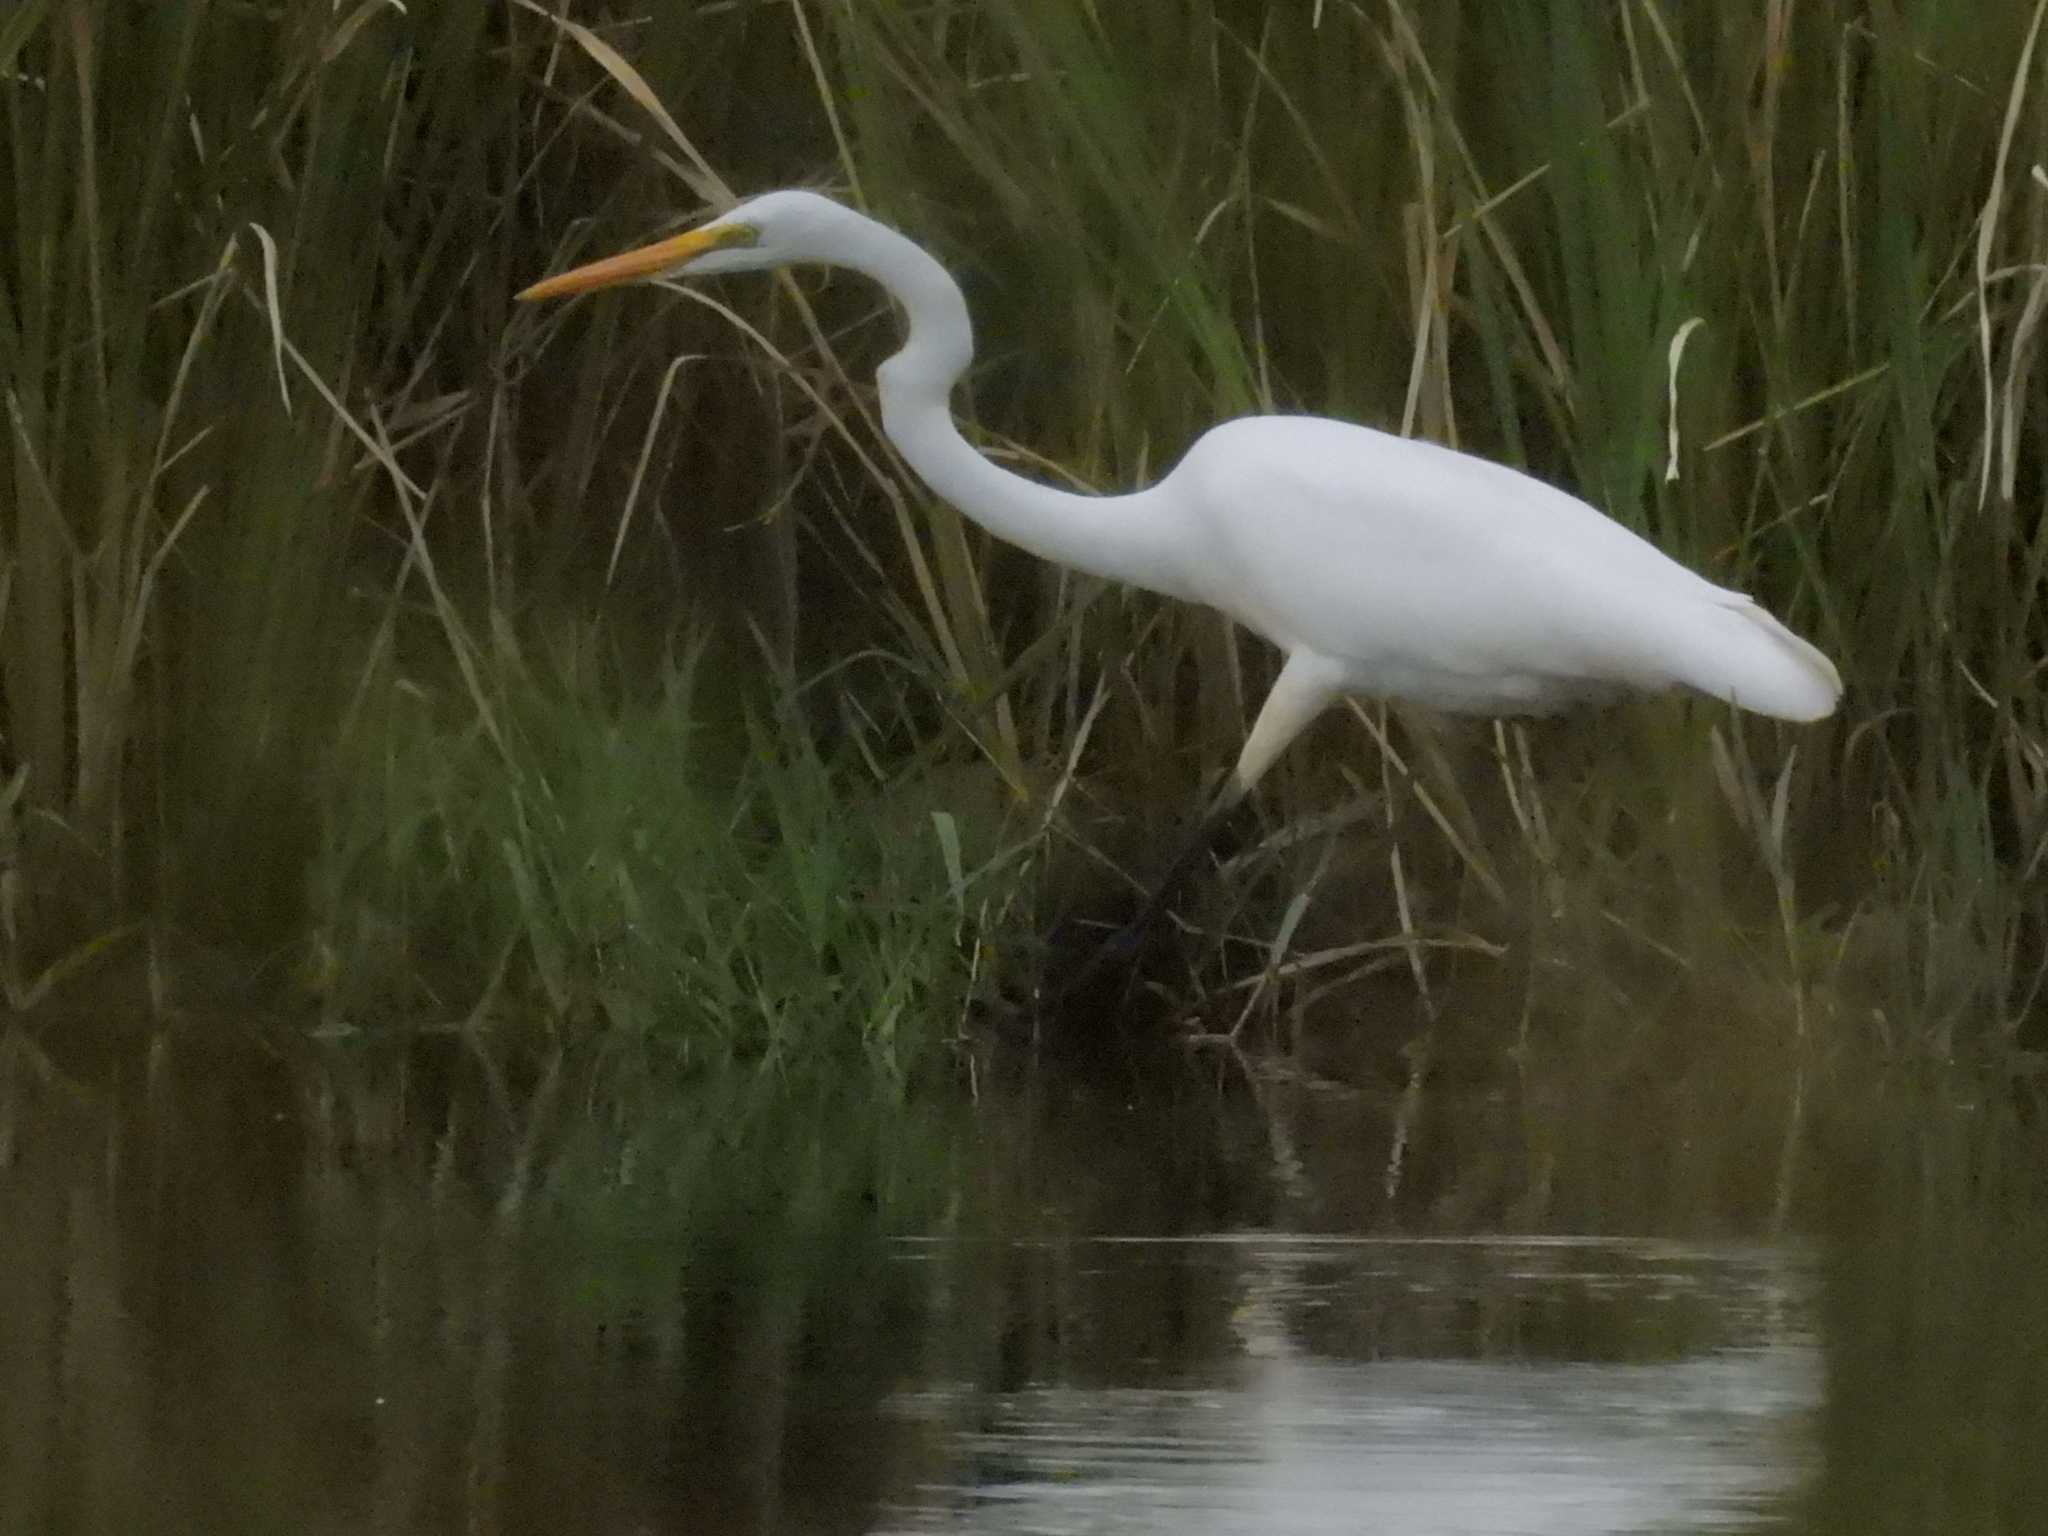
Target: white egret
point(1379, 565)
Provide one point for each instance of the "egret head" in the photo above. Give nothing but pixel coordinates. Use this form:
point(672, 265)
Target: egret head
point(772, 230)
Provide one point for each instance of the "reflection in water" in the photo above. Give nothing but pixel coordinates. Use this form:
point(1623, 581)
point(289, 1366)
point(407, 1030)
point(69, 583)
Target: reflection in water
point(1413, 1387)
point(241, 1295)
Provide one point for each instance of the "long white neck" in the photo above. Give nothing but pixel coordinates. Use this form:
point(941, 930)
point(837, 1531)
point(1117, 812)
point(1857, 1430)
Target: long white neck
point(1126, 538)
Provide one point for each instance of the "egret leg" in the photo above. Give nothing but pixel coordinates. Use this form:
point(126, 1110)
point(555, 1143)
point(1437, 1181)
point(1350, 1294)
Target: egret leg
point(1115, 959)
point(1306, 686)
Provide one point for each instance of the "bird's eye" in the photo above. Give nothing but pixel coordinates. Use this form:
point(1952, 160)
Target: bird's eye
point(739, 234)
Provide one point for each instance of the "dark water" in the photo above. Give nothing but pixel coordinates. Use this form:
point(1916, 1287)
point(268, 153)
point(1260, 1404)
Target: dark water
point(239, 1293)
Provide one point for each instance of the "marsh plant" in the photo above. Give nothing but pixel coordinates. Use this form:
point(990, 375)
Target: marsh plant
point(602, 666)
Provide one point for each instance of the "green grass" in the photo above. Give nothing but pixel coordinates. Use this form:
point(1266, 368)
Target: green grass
point(593, 854)
point(349, 615)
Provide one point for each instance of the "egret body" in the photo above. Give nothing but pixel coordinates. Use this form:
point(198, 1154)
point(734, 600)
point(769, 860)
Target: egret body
point(1379, 565)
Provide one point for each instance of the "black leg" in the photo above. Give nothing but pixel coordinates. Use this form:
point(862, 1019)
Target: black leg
point(1115, 959)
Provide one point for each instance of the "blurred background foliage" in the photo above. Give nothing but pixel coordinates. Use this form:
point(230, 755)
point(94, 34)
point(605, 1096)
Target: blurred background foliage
point(601, 666)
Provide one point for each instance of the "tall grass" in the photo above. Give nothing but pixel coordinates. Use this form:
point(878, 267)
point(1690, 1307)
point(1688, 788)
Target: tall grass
point(1766, 287)
point(214, 220)
point(295, 500)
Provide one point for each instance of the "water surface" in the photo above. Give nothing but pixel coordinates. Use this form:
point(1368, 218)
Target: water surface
point(1482, 1385)
point(242, 1291)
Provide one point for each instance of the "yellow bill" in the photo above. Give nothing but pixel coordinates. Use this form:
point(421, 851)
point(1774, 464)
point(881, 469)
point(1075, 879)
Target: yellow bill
point(642, 262)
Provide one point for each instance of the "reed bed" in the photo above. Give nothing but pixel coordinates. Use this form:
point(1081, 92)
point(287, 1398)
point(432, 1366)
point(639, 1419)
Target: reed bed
point(602, 666)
